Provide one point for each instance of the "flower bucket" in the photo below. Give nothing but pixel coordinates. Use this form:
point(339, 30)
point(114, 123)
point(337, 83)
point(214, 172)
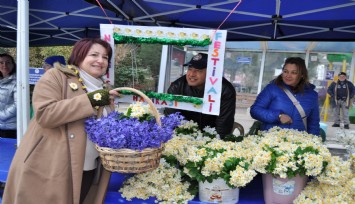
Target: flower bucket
point(218, 192)
point(282, 191)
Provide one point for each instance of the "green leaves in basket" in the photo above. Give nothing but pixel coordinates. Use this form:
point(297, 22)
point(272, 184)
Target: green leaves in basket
point(144, 117)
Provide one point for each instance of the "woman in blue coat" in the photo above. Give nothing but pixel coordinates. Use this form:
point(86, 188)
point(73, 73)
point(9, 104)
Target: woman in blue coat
point(274, 108)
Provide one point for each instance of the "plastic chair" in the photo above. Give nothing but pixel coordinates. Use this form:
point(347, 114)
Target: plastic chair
point(323, 135)
point(239, 127)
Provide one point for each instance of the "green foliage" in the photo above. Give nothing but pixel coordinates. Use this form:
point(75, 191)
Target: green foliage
point(193, 188)
point(144, 117)
point(232, 138)
point(38, 54)
point(186, 131)
point(274, 155)
point(171, 160)
point(194, 168)
point(128, 76)
point(230, 165)
point(151, 53)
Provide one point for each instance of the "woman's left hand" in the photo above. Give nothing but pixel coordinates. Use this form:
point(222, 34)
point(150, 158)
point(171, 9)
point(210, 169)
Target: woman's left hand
point(113, 94)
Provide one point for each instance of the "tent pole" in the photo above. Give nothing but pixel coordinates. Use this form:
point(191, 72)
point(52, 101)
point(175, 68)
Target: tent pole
point(22, 68)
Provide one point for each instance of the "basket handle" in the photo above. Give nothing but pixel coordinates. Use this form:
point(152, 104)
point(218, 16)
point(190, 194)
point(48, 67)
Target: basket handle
point(145, 97)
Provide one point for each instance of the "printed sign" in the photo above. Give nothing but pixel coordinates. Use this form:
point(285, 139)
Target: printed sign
point(34, 74)
point(159, 34)
point(283, 188)
point(329, 75)
point(244, 60)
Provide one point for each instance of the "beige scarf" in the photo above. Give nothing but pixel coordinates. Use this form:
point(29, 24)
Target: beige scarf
point(91, 154)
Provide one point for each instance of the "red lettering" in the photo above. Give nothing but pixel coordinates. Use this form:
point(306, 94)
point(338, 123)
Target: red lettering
point(210, 99)
point(213, 81)
point(164, 103)
point(107, 37)
point(215, 60)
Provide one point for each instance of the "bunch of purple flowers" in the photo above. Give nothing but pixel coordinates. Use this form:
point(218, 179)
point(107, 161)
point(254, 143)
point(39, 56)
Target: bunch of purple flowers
point(118, 131)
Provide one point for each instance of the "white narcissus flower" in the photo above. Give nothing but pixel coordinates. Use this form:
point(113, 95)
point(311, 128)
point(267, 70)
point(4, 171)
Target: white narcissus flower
point(165, 183)
point(97, 97)
point(138, 109)
point(289, 151)
point(73, 86)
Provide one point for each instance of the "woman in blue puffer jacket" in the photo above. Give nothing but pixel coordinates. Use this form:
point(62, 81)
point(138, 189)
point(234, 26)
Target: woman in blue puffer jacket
point(274, 108)
point(7, 96)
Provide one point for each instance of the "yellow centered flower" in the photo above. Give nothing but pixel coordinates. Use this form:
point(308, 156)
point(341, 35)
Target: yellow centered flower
point(97, 97)
point(73, 86)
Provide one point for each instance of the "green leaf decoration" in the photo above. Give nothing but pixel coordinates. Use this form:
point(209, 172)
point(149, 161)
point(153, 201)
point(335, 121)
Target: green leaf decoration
point(119, 39)
point(167, 97)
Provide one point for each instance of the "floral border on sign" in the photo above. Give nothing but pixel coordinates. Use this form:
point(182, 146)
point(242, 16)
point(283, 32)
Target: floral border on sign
point(164, 41)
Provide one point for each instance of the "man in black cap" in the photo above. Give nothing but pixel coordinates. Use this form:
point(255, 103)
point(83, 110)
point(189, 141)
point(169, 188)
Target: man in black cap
point(341, 93)
point(193, 84)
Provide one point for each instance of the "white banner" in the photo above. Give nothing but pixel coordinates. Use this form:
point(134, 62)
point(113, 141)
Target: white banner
point(214, 75)
point(158, 34)
point(160, 103)
point(107, 35)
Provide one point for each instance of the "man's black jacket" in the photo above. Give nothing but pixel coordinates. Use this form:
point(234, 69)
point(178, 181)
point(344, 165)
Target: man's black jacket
point(224, 122)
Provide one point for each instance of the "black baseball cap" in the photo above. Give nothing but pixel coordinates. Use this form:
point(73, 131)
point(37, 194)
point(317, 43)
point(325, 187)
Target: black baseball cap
point(198, 61)
point(342, 73)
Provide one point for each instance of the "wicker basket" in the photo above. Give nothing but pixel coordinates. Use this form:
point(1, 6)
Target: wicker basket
point(128, 160)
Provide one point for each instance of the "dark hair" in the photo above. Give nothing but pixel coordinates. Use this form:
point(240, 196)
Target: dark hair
point(302, 71)
point(13, 62)
point(82, 47)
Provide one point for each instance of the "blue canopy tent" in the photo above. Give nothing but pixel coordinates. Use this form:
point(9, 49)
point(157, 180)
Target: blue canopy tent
point(52, 23)
point(25, 23)
point(302, 20)
point(62, 22)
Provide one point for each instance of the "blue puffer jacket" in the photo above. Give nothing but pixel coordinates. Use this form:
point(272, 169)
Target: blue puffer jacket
point(8, 103)
point(272, 101)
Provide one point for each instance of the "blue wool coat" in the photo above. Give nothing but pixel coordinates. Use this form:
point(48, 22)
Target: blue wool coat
point(273, 101)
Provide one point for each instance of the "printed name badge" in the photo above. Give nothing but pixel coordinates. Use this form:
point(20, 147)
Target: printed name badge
point(283, 188)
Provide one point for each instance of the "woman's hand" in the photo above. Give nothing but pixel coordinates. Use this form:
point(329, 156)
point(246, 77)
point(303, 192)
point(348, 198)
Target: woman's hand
point(113, 94)
point(285, 119)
